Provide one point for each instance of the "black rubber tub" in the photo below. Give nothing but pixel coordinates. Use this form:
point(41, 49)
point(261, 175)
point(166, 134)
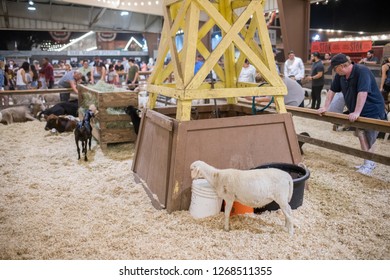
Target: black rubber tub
point(299, 175)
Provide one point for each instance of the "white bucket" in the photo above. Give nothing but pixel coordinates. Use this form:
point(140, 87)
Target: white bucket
point(204, 200)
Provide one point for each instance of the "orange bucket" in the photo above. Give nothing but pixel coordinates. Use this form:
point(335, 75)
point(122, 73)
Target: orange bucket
point(239, 208)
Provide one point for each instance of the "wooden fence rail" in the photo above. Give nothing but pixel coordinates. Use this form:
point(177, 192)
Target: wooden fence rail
point(35, 91)
point(361, 122)
point(10, 93)
point(335, 118)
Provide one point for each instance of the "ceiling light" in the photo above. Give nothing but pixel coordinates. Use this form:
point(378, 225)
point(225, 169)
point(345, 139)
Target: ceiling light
point(30, 2)
point(76, 40)
point(91, 49)
point(124, 13)
point(31, 8)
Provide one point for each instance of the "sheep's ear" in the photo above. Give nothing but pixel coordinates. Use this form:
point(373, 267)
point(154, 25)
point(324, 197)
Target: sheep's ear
point(194, 172)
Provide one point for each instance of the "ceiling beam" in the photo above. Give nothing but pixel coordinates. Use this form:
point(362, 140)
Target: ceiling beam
point(130, 16)
point(5, 9)
point(151, 23)
point(97, 17)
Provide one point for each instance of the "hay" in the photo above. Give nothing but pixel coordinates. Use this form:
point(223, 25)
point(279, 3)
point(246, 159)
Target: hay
point(55, 207)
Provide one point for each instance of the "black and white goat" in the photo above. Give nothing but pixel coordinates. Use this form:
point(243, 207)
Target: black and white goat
point(83, 132)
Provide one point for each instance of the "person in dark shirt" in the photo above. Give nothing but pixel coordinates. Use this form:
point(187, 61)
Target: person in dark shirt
point(317, 80)
point(370, 59)
point(132, 74)
point(120, 69)
point(362, 98)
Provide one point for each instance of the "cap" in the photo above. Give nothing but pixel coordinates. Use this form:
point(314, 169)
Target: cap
point(338, 59)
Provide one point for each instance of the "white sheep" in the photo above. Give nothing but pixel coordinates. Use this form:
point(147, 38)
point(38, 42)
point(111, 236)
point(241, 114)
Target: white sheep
point(255, 188)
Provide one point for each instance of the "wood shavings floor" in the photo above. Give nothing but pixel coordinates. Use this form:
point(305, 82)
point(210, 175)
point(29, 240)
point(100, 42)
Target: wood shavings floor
point(53, 206)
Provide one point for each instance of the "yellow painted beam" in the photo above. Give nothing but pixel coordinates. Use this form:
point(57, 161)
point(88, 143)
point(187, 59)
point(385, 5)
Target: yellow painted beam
point(220, 49)
point(180, 18)
point(248, 34)
point(240, 4)
point(205, 53)
point(190, 43)
point(162, 51)
point(279, 104)
point(152, 100)
point(229, 54)
point(203, 50)
point(236, 34)
point(183, 112)
point(171, 2)
point(232, 92)
point(174, 56)
point(266, 42)
point(205, 91)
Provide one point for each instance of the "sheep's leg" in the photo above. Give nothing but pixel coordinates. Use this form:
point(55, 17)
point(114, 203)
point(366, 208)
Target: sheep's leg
point(228, 208)
point(85, 149)
point(90, 140)
point(78, 148)
point(286, 209)
point(29, 117)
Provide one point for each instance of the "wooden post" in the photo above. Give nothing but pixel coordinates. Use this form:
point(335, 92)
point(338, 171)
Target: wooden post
point(295, 25)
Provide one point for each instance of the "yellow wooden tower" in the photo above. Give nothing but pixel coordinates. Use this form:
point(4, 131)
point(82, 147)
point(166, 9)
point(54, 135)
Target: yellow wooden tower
point(239, 22)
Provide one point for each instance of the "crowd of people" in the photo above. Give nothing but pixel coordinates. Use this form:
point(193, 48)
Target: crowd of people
point(41, 75)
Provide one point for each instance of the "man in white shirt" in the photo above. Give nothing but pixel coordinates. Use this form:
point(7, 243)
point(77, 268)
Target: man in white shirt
point(248, 73)
point(294, 68)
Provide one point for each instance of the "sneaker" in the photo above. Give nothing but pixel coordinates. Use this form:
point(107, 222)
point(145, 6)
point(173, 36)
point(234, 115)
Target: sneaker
point(360, 165)
point(365, 170)
point(368, 163)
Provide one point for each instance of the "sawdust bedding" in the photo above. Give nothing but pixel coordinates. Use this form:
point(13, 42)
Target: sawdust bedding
point(53, 206)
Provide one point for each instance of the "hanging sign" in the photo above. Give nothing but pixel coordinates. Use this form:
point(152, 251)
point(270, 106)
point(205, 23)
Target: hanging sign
point(341, 47)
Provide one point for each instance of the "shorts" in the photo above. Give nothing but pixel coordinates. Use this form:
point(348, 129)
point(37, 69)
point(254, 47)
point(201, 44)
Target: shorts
point(337, 105)
point(370, 135)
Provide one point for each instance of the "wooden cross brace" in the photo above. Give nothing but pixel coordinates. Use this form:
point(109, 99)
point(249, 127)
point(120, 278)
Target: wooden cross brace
point(185, 15)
